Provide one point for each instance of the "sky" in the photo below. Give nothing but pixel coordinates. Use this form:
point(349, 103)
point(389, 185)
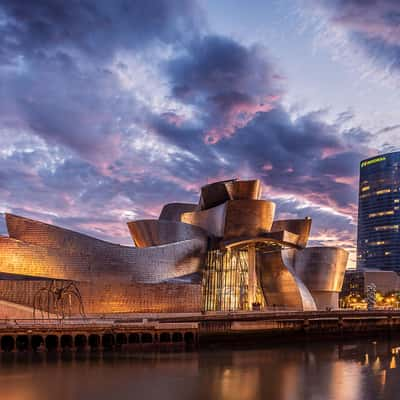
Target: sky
point(110, 109)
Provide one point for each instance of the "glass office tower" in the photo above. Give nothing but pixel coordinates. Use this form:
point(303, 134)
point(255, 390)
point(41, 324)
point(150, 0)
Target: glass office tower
point(378, 242)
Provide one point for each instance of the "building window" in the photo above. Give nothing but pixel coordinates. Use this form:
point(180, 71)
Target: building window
point(225, 281)
point(383, 191)
point(387, 228)
point(380, 214)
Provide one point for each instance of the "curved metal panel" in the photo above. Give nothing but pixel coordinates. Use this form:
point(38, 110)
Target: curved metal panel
point(322, 268)
point(281, 286)
point(300, 227)
point(245, 190)
point(62, 254)
point(325, 300)
point(234, 218)
point(51, 236)
point(21, 258)
point(211, 220)
point(215, 194)
point(150, 232)
point(173, 211)
point(248, 218)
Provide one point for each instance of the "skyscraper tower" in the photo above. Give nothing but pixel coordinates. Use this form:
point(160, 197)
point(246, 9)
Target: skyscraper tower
point(378, 242)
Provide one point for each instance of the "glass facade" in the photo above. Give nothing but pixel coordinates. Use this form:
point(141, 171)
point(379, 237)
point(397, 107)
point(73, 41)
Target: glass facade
point(378, 241)
point(226, 281)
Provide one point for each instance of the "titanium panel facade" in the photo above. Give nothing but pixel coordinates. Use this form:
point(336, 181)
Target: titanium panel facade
point(151, 232)
point(96, 259)
point(300, 227)
point(173, 211)
point(220, 255)
point(245, 190)
point(114, 297)
point(322, 270)
point(234, 218)
point(281, 287)
point(214, 194)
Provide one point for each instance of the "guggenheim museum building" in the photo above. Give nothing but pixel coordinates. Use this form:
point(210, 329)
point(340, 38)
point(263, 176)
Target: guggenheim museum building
point(226, 253)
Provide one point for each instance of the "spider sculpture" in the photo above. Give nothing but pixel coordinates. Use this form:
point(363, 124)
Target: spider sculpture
point(58, 300)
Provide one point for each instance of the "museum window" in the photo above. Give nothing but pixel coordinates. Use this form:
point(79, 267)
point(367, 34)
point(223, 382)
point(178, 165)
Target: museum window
point(225, 283)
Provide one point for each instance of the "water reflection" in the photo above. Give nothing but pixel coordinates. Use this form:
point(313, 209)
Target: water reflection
point(352, 370)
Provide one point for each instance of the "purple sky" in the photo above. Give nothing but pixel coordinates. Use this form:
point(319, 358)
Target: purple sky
point(108, 109)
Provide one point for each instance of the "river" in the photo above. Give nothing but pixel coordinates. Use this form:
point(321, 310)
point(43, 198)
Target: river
point(359, 369)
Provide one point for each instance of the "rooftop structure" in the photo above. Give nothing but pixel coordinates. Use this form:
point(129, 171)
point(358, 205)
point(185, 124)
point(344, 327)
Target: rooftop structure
point(226, 253)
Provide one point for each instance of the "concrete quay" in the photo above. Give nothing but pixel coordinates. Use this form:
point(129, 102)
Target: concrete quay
point(138, 332)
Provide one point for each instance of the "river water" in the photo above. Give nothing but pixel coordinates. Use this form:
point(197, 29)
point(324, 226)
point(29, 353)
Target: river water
point(364, 369)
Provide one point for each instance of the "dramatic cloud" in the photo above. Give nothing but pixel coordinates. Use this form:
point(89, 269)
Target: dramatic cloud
point(305, 156)
point(61, 67)
point(95, 28)
point(227, 83)
point(111, 109)
point(373, 25)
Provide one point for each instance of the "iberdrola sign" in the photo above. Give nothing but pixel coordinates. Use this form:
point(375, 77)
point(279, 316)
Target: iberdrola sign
point(372, 161)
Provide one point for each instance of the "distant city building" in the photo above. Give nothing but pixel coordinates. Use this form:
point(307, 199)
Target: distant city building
point(378, 242)
point(226, 253)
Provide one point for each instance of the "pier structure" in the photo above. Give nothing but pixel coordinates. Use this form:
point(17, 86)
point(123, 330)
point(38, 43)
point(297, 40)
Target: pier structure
point(181, 332)
point(95, 335)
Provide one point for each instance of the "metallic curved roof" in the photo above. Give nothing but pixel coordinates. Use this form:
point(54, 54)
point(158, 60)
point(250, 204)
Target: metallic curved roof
point(150, 232)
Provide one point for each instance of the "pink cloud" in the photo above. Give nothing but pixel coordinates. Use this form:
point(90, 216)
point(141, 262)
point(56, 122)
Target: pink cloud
point(173, 119)
point(371, 19)
point(267, 167)
point(238, 116)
